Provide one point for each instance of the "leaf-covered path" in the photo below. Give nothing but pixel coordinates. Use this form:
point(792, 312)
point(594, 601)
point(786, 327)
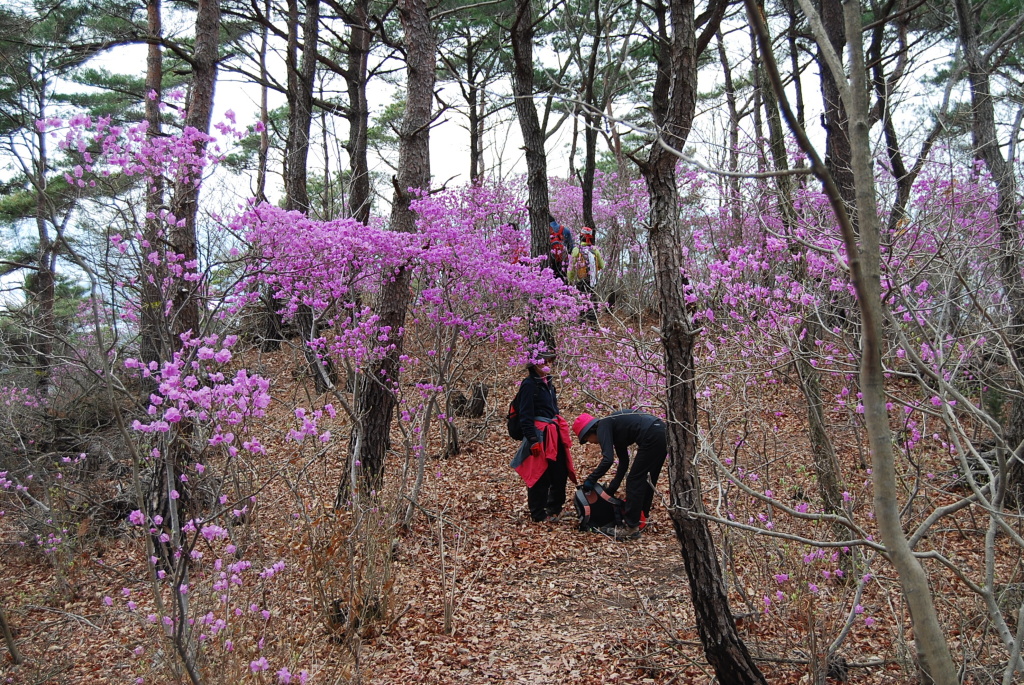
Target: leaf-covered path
point(526, 602)
point(535, 602)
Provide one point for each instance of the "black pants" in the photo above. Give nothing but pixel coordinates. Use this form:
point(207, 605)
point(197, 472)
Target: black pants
point(650, 457)
point(589, 313)
point(547, 496)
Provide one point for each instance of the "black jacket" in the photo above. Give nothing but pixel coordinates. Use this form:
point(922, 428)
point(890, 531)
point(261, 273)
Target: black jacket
point(537, 400)
point(615, 433)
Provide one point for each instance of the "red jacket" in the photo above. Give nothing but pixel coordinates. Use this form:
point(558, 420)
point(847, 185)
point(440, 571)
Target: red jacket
point(556, 436)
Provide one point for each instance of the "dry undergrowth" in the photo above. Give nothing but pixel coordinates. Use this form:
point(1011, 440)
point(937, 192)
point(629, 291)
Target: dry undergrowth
point(473, 592)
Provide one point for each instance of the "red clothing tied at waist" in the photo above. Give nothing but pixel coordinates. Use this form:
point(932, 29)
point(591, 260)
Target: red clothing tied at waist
point(556, 437)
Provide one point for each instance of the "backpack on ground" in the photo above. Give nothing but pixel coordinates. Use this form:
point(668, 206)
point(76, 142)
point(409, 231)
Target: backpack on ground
point(596, 509)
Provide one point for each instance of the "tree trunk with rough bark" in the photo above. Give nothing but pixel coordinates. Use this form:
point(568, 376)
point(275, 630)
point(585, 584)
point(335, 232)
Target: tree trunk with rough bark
point(12, 646)
point(675, 90)
point(1008, 214)
point(300, 102)
point(273, 326)
point(376, 398)
point(43, 283)
point(536, 157)
point(592, 119)
point(296, 187)
point(735, 234)
point(359, 198)
point(185, 205)
point(529, 125)
point(793, 32)
point(476, 102)
point(837, 136)
point(154, 342)
point(263, 155)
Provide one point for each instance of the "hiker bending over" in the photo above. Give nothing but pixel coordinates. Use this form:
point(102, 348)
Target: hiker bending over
point(544, 459)
point(615, 433)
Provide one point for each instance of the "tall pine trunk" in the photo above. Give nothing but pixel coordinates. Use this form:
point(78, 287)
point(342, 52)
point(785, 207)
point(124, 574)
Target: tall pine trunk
point(359, 199)
point(300, 102)
point(838, 153)
point(263, 155)
point(42, 285)
point(273, 326)
point(529, 125)
point(182, 238)
point(296, 186)
point(1008, 214)
point(376, 399)
point(592, 115)
point(735, 234)
point(675, 105)
point(185, 205)
point(154, 336)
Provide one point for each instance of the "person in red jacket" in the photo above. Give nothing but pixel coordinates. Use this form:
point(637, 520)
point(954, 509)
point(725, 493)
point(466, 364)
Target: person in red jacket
point(544, 459)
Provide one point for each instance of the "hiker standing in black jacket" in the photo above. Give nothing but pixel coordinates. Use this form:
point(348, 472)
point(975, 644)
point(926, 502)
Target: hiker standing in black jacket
point(544, 458)
point(615, 433)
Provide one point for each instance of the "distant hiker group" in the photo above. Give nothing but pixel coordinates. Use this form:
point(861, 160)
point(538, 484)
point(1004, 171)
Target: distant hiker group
point(575, 264)
point(544, 458)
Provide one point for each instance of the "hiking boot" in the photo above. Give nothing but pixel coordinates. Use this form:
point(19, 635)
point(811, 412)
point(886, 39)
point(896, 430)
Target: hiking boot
point(553, 518)
point(622, 532)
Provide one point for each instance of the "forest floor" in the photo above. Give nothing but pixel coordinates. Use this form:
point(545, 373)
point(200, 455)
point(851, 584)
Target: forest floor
point(526, 602)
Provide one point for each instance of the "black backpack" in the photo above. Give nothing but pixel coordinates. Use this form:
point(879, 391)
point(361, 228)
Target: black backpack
point(515, 429)
point(597, 508)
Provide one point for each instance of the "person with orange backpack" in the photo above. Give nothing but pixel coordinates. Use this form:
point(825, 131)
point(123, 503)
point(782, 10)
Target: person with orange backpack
point(585, 261)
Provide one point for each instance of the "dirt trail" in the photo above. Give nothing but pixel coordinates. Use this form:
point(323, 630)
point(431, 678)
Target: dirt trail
point(538, 603)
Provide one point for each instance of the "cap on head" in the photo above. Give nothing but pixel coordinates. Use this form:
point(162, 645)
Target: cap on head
point(583, 424)
point(542, 357)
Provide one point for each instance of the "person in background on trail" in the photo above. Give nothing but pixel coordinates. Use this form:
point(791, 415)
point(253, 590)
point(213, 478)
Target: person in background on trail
point(585, 261)
point(560, 246)
point(519, 251)
point(615, 433)
point(544, 459)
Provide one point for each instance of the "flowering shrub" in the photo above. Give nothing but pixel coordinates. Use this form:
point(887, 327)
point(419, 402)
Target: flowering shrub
point(202, 394)
point(222, 610)
point(769, 292)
